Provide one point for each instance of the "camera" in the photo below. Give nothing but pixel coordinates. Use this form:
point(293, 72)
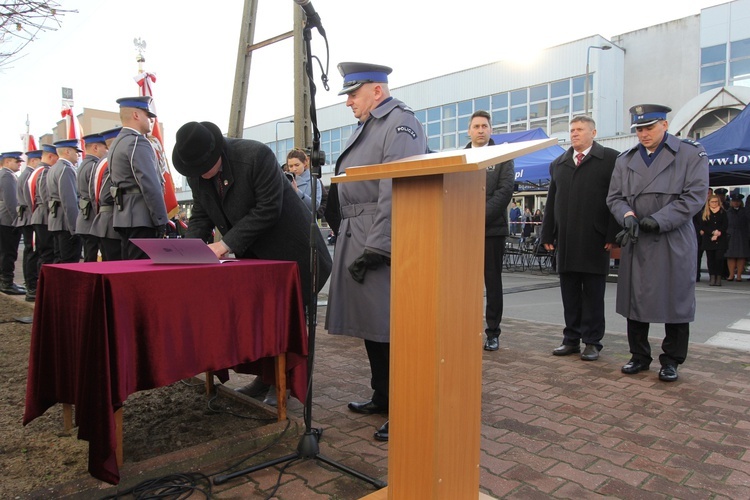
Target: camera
point(290, 176)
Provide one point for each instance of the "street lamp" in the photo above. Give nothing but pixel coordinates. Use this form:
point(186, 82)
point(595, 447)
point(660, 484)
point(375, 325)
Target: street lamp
point(586, 83)
point(277, 136)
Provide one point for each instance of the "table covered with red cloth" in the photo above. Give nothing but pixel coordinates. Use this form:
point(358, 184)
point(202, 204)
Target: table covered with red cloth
point(104, 330)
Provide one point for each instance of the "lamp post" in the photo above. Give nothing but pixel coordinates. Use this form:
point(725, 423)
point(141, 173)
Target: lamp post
point(277, 136)
point(586, 83)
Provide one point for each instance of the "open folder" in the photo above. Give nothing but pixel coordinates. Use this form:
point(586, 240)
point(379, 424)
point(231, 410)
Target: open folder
point(177, 251)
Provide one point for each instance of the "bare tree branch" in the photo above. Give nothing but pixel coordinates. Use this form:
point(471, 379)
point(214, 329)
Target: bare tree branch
point(22, 21)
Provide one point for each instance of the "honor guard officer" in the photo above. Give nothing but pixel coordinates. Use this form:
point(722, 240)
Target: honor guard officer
point(23, 222)
point(96, 149)
point(39, 194)
point(10, 235)
point(63, 202)
point(110, 242)
point(360, 213)
point(140, 211)
point(656, 188)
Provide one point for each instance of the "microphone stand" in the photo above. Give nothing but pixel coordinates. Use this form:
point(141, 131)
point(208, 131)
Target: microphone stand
point(308, 446)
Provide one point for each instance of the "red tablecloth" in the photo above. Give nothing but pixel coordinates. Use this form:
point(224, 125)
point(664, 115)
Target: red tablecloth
point(105, 330)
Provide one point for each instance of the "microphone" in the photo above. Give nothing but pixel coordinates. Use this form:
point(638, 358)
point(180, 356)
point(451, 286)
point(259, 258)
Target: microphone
point(313, 19)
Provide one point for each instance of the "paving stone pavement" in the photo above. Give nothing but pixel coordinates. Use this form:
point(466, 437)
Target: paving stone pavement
point(552, 427)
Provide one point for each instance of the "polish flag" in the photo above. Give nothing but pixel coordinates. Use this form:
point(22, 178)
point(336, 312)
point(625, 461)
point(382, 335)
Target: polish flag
point(73, 127)
point(144, 81)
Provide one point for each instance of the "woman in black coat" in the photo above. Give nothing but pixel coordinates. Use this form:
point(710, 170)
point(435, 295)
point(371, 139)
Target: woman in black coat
point(713, 230)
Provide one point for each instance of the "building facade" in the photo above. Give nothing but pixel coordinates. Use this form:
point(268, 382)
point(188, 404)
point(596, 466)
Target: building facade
point(698, 65)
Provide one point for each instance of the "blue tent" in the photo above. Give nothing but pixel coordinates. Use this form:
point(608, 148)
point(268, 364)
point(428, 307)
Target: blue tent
point(532, 170)
point(729, 152)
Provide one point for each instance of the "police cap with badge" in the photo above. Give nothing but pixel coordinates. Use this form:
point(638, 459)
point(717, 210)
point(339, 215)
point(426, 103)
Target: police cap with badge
point(16, 155)
point(68, 143)
point(37, 153)
point(49, 148)
point(93, 139)
point(145, 103)
point(357, 74)
point(643, 115)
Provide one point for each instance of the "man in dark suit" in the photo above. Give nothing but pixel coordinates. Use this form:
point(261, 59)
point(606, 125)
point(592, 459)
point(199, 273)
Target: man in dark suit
point(239, 189)
point(499, 191)
point(578, 224)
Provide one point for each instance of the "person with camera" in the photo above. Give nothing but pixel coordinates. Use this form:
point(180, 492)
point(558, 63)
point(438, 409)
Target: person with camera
point(299, 167)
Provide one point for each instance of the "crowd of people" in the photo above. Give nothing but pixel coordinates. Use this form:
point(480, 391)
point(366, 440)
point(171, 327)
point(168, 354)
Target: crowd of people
point(598, 200)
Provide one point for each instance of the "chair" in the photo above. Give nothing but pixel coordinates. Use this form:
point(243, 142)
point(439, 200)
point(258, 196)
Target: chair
point(513, 259)
point(542, 258)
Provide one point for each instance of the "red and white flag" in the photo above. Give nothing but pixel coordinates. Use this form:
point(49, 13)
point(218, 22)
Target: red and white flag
point(73, 127)
point(144, 81)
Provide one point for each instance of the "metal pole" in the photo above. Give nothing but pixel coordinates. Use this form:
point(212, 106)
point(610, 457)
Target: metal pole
point(588, 75)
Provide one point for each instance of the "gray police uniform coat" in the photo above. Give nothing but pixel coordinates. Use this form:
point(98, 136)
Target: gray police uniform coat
point(85, 181)
point(133, 169)
point(41, 197)
point(102, 225)
point(8, 197)
point(363, 309)
point(259, 215)
point(656, 279)
point(25, 206)
point(63, 190)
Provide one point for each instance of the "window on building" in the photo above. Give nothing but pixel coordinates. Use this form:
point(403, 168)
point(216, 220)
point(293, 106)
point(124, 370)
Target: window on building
point(500, 101)
point(739, 63)
point(482, 103)
point(560, 89)
point(538, 93)
point(559, 125)
point(714, 66)
point(538, 110)
point(465, 108)
point(560, 106)
point(433, 114)
point(500, 117)
point(518, 97)
point(449, 111)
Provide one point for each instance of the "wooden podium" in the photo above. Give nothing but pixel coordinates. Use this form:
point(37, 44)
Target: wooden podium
point(437, 280)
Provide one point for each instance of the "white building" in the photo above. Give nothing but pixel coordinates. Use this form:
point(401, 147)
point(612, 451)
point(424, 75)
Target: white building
point(698, 65)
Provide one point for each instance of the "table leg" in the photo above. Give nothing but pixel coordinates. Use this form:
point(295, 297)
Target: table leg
point(118, 436)
point(210, 387)
point(67, 417)
point(280, 366)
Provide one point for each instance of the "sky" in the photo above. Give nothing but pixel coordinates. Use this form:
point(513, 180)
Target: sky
point(192, 50)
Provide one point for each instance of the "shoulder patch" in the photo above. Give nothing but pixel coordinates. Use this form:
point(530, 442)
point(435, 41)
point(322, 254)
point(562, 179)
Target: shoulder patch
point(691, 142)
point(702, 153)
point(407, 130)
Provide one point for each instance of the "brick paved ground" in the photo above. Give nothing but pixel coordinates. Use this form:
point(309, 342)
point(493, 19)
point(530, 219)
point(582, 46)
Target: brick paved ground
point(552, 426)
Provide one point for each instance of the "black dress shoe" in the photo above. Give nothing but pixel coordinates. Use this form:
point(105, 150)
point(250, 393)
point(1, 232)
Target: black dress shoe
point(12, 289)
point(492, 343)
point(367, 408)
point(632, 367)
point(590, 353)
point(668, 373)
point(564, 350)
point(382, 433)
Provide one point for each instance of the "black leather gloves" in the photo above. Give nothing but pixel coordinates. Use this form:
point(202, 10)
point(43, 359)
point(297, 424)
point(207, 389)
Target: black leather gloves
point(630, 232)
point(368, 260)
point(649, 225)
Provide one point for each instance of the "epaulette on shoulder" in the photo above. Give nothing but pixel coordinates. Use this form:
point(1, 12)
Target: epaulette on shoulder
point(692, 142)
point(634, 148)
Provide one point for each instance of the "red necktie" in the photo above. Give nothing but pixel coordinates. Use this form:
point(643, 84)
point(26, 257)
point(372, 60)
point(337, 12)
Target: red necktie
point(579, 158)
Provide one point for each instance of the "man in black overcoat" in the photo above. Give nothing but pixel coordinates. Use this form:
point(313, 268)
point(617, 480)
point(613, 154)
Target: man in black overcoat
point(578, 224)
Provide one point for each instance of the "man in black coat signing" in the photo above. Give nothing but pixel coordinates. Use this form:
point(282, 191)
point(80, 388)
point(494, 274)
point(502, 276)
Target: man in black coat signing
point(578, 224)
point(239, 189)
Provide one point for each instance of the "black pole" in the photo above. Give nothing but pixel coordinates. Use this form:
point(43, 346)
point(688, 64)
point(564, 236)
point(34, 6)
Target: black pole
point(308, 446)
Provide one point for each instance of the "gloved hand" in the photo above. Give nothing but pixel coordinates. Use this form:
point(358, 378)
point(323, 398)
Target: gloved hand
point(630, 232)
point(649, 225)
point(161, 231)
point(368, 260)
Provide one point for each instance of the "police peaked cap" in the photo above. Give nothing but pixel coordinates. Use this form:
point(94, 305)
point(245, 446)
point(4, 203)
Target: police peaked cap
point(143, 102)
point(357, 74)
point(644, 115)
